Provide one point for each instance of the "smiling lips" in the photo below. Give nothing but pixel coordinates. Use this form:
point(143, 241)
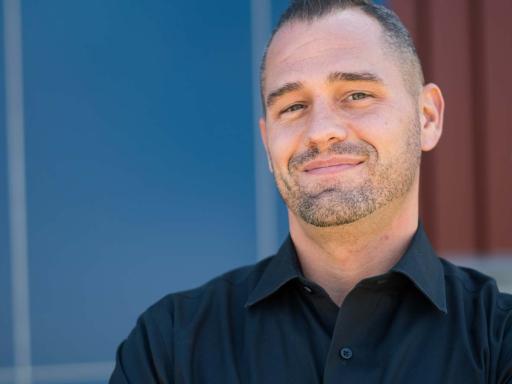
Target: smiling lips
point(332, 165)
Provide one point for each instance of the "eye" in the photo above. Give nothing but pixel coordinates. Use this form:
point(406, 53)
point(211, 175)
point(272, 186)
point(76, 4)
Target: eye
point(358, 96)
point(293, 108)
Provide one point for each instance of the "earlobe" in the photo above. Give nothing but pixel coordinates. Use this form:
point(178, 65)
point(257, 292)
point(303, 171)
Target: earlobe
point(431, 116)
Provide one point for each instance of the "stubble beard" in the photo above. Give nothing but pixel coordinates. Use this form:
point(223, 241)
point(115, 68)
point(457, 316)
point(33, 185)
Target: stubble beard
point(339, 203)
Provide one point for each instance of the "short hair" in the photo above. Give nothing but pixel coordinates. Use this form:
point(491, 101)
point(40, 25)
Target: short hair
point(395, 33)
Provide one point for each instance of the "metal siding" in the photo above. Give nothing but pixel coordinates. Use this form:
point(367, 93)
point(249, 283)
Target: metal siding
point(450, 51)
point(466, 181)
point(496, 56)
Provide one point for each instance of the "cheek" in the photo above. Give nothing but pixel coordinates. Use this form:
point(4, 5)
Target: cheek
point(386, 132)
point(283, 144)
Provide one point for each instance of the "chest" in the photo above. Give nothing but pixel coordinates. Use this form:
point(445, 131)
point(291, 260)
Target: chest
point(370, 341)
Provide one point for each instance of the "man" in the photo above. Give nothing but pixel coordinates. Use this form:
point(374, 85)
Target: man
point(356, 294)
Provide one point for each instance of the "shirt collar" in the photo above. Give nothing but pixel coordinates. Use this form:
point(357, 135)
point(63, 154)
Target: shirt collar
point(422, 266)
point(419, 264)
point(282, 268)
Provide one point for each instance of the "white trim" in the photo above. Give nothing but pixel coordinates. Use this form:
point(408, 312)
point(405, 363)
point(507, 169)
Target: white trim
point(266, 199)
point(64, 373)
point(16, 183)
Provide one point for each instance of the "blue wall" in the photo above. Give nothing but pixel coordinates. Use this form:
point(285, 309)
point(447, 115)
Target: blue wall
point(139, 163)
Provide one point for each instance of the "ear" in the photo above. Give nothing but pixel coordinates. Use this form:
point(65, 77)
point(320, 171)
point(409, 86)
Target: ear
point(263, 132)
point(431, 116)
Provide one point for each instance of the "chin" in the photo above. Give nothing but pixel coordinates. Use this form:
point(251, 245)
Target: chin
point(334, 213)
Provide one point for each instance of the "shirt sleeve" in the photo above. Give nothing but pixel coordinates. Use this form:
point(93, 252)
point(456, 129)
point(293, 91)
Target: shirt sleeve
point(505, 360)
point(145, 356)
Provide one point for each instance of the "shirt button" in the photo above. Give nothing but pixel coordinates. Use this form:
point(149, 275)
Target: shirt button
point(346, 353)
point(308, 289)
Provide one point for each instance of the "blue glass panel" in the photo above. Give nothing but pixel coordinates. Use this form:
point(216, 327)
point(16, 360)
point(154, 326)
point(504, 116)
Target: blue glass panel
point(139, 143)
point(278, 7)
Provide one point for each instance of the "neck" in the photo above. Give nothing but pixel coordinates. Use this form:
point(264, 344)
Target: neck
point(337, 258)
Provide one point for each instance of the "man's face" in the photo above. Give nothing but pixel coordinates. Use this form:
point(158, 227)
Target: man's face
point(342, 132)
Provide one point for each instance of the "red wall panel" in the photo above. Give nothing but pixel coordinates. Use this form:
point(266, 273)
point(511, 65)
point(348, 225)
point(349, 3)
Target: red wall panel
point(466, 190)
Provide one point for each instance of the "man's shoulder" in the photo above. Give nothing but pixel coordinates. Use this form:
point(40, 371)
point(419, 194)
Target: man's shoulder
point(181, 317)
point(475, 285)
point(476, 298)
point(477, 304)
point(230, 288)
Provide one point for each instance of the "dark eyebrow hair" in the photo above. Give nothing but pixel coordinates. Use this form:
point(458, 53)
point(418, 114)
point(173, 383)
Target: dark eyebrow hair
point(354, 76)
point(333, 77)
point(287, 88)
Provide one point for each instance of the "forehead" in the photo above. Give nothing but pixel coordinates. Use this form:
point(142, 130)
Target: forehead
point(346, 41)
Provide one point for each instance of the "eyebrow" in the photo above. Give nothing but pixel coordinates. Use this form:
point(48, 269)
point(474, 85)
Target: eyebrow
point(281, 91)
point(332, 78)
point(354, 76)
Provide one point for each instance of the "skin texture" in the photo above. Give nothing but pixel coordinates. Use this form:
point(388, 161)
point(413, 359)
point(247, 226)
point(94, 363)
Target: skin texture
point(344, 137)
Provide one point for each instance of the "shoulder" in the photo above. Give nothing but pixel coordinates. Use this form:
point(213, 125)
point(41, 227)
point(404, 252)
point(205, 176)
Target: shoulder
point(148, 352)
point(475, 286)
point(484, 310)
point(230, 289)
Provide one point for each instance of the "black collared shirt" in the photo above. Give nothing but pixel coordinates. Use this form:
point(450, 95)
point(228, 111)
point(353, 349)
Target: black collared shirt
point(425, 321)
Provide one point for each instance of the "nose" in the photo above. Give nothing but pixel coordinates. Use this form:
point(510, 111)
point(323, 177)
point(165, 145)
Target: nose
point(325, 126)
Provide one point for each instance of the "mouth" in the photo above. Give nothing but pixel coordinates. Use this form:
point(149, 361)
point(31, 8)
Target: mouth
point(332, 165)
point(331, 169)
